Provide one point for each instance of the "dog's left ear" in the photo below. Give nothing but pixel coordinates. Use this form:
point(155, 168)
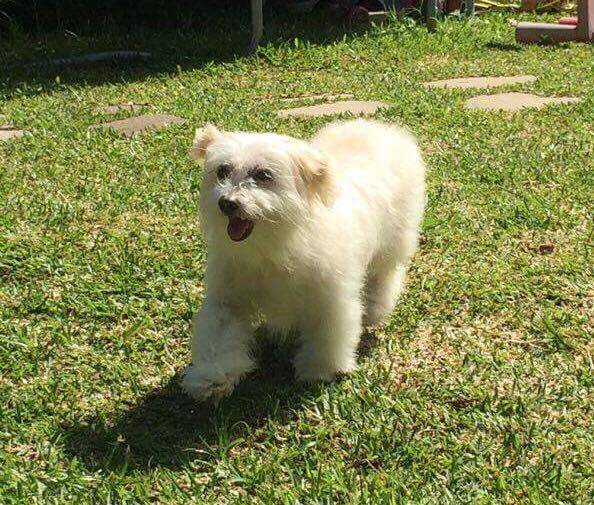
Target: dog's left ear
point(316, 179)
point(204, 137)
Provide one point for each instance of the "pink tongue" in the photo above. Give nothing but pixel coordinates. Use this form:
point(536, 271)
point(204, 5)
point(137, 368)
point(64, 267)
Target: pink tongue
point(238, 229)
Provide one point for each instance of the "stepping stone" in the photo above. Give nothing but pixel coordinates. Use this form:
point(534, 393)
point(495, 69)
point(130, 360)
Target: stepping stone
point(124, 107)
point(515, 101)
point(8, 131)
point(131, 126)
point(326, 109)
point(479, 82)
point(320, 96)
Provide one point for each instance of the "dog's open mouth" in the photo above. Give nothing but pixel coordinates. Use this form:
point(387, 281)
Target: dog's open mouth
point(239, 229)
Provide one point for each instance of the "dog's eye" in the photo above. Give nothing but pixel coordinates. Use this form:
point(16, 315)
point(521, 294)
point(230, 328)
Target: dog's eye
point(261, 175)
point(223, 172)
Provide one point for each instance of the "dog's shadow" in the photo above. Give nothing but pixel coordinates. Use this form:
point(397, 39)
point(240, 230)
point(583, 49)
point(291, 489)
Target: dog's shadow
point(168, 429)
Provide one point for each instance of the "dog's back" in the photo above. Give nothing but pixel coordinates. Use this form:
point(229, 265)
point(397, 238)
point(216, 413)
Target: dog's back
point(357, 144)
point(380, 166)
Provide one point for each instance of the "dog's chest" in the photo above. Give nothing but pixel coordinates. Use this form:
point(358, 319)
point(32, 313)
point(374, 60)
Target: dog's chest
point(278, 295)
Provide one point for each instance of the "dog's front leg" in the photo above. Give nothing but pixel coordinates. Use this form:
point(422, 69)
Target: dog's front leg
point(220, 351)
point(330, 335)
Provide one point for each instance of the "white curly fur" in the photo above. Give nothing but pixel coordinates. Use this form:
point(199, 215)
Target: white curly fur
point(335, 223)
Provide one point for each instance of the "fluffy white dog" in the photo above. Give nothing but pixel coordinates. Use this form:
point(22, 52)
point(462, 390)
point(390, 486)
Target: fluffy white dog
point(310, 236)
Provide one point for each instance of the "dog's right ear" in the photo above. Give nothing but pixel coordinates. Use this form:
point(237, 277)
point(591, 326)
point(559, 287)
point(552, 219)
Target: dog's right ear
point(315, 174)
point(204, 137)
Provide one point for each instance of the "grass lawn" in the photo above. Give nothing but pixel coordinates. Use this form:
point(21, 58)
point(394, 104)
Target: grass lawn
point(481, 388)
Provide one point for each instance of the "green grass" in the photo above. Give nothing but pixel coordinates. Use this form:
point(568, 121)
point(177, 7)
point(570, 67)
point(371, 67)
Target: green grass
point(481, 388)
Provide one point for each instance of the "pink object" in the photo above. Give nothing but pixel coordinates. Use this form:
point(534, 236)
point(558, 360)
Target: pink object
point(568, 21)
point(582, 30)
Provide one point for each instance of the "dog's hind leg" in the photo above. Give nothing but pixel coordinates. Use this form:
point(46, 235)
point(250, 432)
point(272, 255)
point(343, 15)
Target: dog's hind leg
point(383, 287)
point(330, 332)
point(386, 274)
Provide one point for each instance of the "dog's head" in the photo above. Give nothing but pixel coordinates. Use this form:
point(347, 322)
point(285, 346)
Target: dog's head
point(257, 180)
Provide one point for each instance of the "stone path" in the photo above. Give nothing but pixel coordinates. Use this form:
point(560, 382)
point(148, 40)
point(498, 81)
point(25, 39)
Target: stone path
point(480, 82)
point(133, 125)
point(500, 101)
point(319, 96)
point(515, 101)
point(335, 104)
point(123, 107)
point(8, 131)
point(355, 107)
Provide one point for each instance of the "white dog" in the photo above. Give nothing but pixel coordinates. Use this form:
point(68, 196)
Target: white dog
point(310, 236)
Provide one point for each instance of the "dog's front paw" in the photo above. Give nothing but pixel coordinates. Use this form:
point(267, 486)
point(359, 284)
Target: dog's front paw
point(202, 383)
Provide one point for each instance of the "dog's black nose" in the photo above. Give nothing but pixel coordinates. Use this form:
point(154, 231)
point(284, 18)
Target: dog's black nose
point(227, 207)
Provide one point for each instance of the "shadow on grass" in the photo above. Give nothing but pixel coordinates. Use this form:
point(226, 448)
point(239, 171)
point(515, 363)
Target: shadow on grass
point(516, 46)
point(168, 429)
point(503, 46)
point(217, 34)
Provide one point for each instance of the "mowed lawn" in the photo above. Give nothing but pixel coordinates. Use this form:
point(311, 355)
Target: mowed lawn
point(480, 389)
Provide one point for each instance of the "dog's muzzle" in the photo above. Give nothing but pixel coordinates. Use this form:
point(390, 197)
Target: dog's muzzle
point(238, 228)
point(228, 207)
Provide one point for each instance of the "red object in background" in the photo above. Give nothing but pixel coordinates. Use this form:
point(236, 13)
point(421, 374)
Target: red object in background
point(569, 21)
point(582, 29)
point(452, 5)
